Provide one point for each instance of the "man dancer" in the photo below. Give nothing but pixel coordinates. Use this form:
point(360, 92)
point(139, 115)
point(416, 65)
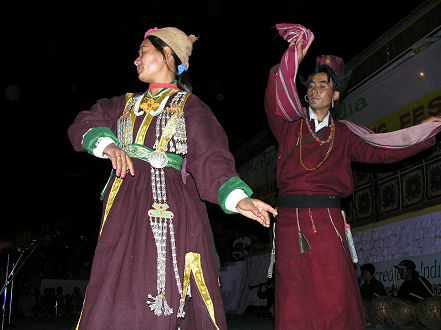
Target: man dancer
point(316, 286)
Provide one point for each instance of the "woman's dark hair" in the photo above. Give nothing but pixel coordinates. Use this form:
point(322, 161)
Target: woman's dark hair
point(184, 80)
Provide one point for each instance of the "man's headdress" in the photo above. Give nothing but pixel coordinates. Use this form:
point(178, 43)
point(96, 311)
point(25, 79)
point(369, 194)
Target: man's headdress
point(336, 66)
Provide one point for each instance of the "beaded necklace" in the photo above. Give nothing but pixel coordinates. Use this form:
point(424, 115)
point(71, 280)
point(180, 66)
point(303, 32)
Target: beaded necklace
point(331, 134)
point(152, 102)
point(330, 140)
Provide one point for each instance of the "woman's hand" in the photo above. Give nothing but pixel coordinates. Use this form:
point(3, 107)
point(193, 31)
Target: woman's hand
point(255, 209)
point(301, 52)
point(121, 161)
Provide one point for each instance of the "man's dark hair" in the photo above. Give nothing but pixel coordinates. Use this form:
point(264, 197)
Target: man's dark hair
point(329, 73)
point(369, 268)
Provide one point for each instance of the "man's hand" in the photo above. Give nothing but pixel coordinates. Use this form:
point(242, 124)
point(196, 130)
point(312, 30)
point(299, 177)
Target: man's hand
point(301, 52)
point(255, 209)
point(431, 119)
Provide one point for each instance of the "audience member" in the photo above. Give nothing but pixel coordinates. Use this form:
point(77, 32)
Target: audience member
point(371, 287)
point(415, 287)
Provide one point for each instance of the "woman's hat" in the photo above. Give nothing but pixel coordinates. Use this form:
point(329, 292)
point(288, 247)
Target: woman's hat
point(177, 40)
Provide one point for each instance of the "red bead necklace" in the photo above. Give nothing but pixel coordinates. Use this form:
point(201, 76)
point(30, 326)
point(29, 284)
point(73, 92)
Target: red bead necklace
point(331, 133)
point(330, 139)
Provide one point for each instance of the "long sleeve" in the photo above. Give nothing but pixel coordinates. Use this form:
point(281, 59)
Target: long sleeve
point(362, 151)
point(335, 176)
point(283, 86)
point(282, 102)
point(101, 118)
point(209, 160)
point(276, 123)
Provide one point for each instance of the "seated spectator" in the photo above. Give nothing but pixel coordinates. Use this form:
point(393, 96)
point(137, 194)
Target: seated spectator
point(26, 302)
point(60, 303)
point(76, 301)
point(371, 287)
point(47, 302)
point(415, 287)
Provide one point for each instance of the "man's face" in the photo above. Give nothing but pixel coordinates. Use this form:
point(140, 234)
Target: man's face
point(404, 272)
point(320, 92)
point(365, 275)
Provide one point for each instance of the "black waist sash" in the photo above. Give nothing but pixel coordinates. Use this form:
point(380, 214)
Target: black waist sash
point(308, 201)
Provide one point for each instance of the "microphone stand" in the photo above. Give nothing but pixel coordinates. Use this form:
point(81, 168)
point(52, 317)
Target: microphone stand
point(5, 289)
point(10, 280)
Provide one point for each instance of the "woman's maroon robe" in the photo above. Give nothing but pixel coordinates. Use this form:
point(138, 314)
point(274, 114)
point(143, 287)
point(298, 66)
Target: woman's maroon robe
point(124, 266)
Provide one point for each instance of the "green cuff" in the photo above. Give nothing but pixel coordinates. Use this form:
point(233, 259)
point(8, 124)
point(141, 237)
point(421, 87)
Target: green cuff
point(94, 134)
point(230, 185)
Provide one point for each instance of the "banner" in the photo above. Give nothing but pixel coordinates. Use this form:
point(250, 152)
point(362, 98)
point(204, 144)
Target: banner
point(428, 266)
point(399, 97)
point(426, 106)
point(260, 174)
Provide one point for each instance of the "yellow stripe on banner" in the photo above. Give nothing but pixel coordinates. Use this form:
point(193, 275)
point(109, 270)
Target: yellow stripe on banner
point(193, 264)
point(113, 192)
point(424, 107)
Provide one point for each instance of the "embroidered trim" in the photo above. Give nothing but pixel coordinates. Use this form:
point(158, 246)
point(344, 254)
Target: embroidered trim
point(230, 185)
point(93, 135)
point(113, 192)
point(193, 264)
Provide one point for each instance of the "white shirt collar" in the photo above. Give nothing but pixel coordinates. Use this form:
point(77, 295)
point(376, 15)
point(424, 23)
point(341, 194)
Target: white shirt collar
point(318, 125)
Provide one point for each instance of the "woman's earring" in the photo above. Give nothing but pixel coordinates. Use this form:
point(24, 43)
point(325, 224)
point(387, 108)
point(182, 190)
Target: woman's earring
point(332, 103)
point(306, 98)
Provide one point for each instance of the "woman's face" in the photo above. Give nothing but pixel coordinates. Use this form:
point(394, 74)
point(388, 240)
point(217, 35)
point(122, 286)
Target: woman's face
point(150, 63)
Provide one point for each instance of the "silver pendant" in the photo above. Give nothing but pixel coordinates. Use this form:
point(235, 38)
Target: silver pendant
point(158, 159)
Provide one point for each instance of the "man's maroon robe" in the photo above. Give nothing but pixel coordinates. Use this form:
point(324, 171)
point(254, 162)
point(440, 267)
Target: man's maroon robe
point(319, 290)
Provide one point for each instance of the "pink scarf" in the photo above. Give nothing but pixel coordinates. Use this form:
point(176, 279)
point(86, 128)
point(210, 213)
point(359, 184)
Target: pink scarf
point(290, 108)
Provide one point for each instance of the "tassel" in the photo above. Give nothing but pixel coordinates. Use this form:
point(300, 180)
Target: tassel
point(343, 245)
point(156, 304)
point(159, 305)
point(181, 312)
point(303, 244)
point(167, 309)
point(351, 244)
point(273, 253)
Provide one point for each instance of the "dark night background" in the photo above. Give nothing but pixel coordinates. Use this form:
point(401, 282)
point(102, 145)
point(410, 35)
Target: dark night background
point(59, 57)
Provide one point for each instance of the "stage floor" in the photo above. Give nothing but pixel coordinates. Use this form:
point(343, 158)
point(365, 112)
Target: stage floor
point(234, 322)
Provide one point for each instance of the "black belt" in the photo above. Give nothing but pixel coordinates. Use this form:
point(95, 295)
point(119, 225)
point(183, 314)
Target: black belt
point(308, 201)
